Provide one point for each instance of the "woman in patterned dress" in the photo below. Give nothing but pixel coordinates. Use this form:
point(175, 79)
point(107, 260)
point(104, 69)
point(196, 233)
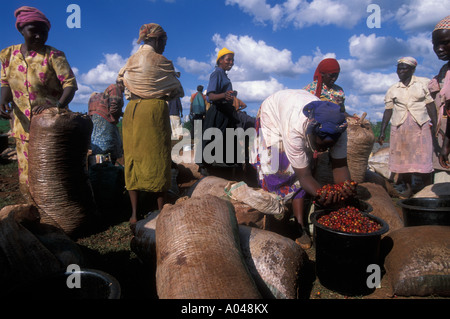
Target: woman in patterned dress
point(440, 85)
point(324, 87)
point(34, 77)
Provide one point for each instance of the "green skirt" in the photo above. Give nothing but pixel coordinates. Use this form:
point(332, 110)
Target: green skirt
point(147, 145)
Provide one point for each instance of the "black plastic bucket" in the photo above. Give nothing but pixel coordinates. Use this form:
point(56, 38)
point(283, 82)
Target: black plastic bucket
point(426, 211)
point(342, 258)
point(93, 284)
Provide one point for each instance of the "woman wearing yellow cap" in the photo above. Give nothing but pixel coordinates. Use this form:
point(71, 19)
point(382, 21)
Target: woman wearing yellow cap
point(221, 114)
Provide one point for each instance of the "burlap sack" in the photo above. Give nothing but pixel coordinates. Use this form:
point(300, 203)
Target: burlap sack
point(257, 198)
point(198, 252)
point(212, 185)
point(382, 205)
point(143, 242)
point(359, 146)
point(30, 250)
point(274, 261)
point(360, 140)
point(417, 261)
point(378, 162)
point(58, 177)
point(323, 172)
point(434, 190)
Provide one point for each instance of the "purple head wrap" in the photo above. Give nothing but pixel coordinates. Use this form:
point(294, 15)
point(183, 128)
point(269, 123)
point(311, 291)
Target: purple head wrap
point(25, 15)
point(327, 119)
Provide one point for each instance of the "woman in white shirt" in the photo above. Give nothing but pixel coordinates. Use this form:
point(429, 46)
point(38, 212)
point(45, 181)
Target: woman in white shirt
point(292, 126)
point(410, 109)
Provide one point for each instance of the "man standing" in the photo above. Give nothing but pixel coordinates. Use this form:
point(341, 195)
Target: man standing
point(198, 104)
point(175, 113)
point(413, 116)
point(198, 107)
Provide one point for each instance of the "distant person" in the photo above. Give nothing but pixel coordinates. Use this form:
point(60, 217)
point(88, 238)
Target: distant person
point(238, 104)
point(34, 77)
point(412, 113)
point(105, 110)
point(324, 86)
point(440, 85)
point(150, 80)
point(245, 121)
point(220, 93)
point(198, 104)
point(176, 114)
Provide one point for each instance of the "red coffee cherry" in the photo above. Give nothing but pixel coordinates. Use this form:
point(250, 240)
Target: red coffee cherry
point(349, 220)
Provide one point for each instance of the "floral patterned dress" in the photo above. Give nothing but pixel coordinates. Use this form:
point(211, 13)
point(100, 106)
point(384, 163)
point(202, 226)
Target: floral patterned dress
point(440, 85)
point(36, 80)
point(334, 94)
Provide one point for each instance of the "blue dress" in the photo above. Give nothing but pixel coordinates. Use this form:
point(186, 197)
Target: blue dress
point(221, 114)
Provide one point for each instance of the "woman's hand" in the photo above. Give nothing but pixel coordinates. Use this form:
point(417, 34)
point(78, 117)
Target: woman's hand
point(5, 111)
point(327, 198)
point(348, 189)
point(229, 95)
point(381, 139)
point(38, 109)
point(6, 103)
point(443, 156)
point(332, 194)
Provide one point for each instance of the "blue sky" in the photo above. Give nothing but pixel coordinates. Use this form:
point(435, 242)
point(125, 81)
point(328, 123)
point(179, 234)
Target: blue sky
point(278, 44)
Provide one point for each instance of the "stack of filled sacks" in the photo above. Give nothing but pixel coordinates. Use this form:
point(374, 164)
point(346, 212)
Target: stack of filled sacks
point(31, 250)
point(416, 258)
point(200, 251)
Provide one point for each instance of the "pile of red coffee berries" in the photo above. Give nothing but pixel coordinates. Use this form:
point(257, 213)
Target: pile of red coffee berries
point(349, 220)
point(330, 190)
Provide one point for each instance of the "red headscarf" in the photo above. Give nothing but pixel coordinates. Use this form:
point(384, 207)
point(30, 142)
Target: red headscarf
point(25, 15)
point(328, 66)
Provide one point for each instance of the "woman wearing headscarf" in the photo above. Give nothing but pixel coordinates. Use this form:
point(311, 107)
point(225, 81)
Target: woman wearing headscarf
point(323, 85)
point(222, 113)
point(440, 85)
point(105, 110)
point(292, 126)
point(411, 111)
point(150, 81)
point(34, 77)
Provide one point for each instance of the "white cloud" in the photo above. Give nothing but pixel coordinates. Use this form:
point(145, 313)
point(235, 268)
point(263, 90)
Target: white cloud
point(376, 52)
point(411, 15)
point(256, 60)
point(261, 11)
point(83, 94)
point(303, 13)
point(419, 15)
point(257, 91)
point(194, 67)
point(372, 83)
point(104, 73)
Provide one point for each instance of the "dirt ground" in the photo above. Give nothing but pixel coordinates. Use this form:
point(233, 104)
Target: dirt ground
point(109, 251)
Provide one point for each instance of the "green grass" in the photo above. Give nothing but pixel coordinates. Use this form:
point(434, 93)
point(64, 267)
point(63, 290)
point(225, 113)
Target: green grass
point(4, 126)
point(8, 197)
point(376, 128)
